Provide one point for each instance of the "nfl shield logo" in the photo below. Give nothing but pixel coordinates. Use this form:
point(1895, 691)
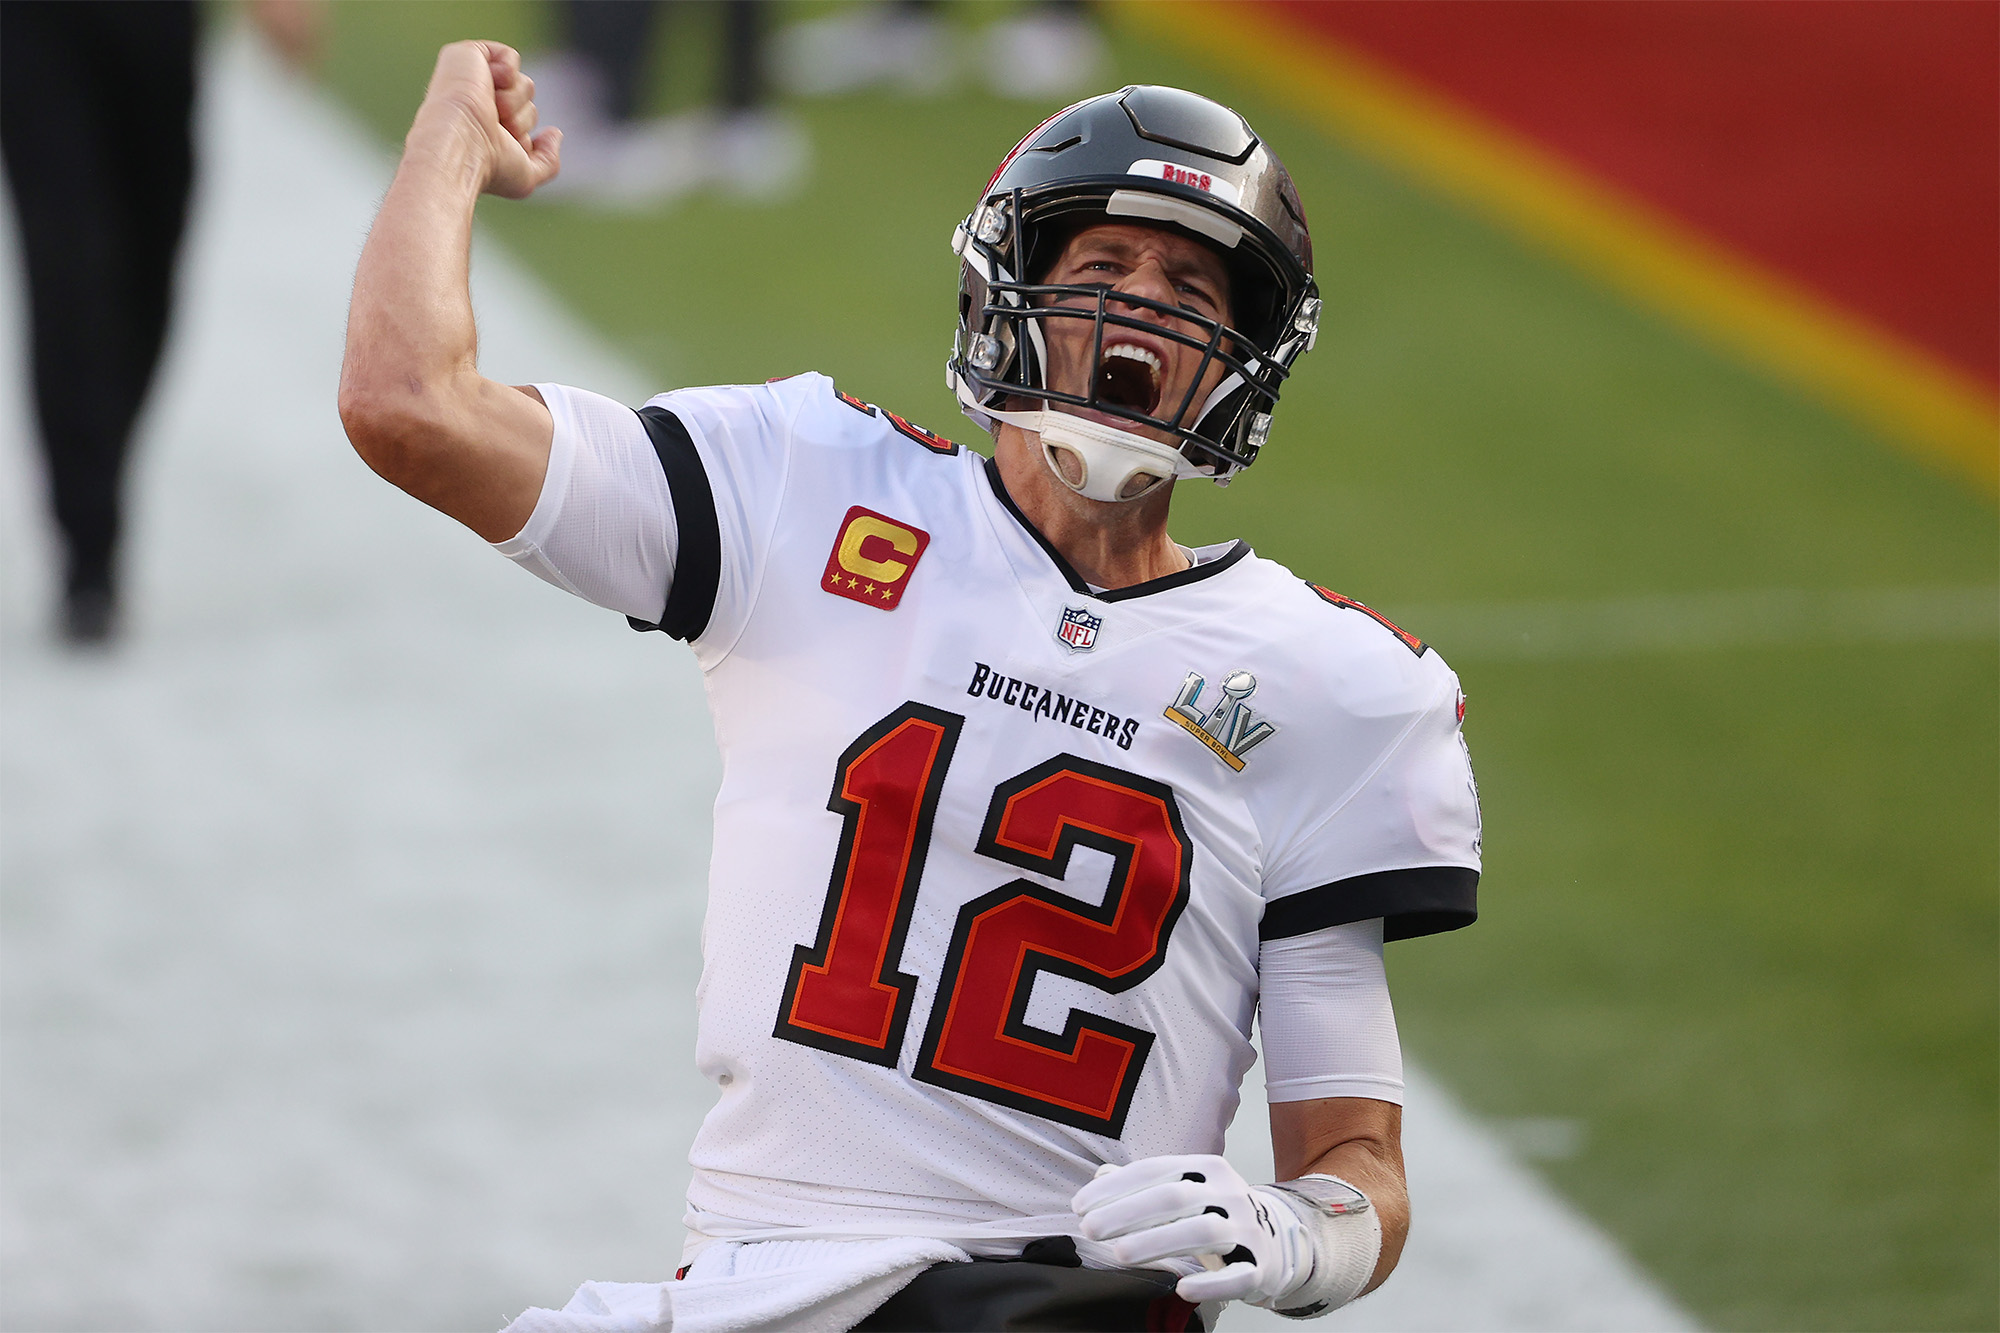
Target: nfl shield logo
point(1078, 630)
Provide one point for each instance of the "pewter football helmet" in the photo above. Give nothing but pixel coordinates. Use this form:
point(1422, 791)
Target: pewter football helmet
point(1158, 157)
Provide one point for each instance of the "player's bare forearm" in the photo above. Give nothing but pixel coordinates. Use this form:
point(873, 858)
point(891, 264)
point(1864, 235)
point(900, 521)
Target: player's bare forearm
point(1361, 1141)
point(411, 396)
point(410, 333)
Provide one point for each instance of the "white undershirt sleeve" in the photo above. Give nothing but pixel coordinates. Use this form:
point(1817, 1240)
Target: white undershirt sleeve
point(603, 527)
point(1329, 1029)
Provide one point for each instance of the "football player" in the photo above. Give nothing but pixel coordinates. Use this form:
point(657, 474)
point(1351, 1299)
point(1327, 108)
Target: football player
point(1027, 809)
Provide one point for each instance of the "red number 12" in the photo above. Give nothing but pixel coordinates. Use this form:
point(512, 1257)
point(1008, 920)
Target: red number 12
point(845, 996)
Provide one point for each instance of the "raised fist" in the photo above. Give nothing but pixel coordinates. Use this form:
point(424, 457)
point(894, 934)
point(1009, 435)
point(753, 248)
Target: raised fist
point(478, 89)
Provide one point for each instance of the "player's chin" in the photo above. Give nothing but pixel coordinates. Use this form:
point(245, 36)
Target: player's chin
point(1126, 424)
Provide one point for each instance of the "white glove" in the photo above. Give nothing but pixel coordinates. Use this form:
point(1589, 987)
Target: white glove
point(1161, 1207)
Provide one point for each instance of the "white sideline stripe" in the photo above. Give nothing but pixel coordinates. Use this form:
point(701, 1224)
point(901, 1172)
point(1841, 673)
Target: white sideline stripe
point(352, 909)
point(1709, 621)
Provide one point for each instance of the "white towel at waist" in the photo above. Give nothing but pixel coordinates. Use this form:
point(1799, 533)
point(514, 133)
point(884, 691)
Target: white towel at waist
point(799, 1286)
point(998, 1239)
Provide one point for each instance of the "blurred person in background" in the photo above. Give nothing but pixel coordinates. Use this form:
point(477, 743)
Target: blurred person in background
point(96, 112)
point(998, 662)
point(1047, 49)
point(594, 88)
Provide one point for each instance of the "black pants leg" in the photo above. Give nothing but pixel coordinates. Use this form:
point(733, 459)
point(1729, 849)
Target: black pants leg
point(741, 85)
point(1005, 1296)
point(96, 103)
point(617, 37)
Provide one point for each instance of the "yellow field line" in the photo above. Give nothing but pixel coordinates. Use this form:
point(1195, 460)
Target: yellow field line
point(1941, 414)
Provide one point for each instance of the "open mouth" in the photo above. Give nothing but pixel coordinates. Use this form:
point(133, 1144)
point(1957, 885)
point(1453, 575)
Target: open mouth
point(1128, 377)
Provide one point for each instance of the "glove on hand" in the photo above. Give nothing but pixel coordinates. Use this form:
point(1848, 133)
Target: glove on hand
point(1161, 1207)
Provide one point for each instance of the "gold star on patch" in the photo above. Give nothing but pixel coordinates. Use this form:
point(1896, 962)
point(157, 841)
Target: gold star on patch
point(854, 583)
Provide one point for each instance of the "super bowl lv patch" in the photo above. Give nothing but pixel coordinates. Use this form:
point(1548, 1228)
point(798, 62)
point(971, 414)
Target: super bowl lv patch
point(1228, 726)
point(872, 558)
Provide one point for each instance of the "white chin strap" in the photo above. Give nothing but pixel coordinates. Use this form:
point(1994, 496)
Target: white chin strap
point(1117, 465)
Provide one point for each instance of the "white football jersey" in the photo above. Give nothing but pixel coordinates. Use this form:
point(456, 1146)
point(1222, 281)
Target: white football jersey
point(994, 853)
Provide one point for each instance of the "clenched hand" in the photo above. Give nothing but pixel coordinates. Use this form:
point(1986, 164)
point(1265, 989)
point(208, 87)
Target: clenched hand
point(478, 91)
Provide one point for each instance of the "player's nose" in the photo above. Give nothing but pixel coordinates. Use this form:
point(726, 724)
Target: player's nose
point(1148, 279)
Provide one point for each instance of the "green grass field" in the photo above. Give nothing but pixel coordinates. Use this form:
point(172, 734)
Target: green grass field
point(1740, 903)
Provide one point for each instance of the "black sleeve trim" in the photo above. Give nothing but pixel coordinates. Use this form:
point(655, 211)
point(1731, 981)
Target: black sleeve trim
point(1420, 901)
point(698, 562)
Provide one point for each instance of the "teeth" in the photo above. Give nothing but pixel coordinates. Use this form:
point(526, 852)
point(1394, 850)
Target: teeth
point(1139, 354)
